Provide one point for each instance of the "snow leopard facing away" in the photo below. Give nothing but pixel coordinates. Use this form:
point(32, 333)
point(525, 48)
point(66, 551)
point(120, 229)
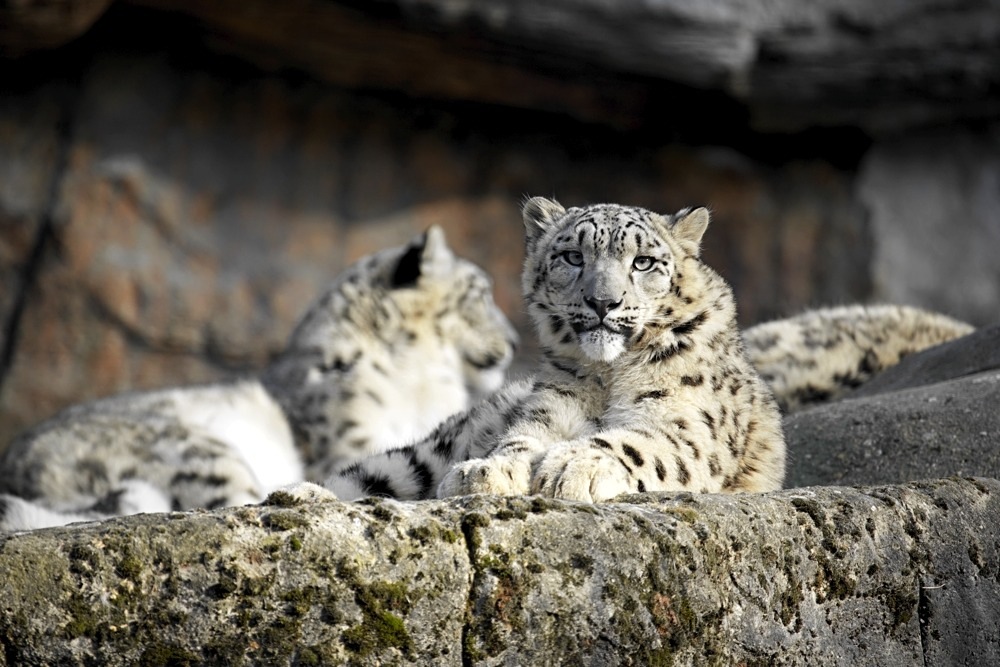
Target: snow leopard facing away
point(400, 341)
point(404, 340)
point(822, 354)
point(643, 384)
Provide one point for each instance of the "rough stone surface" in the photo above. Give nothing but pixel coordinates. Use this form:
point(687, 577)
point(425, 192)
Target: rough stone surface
point(885, 66)
point(198, 210)
point(919, 192)
point(886, 576)
point(934, 415)
point(30, 154)
point(251, 586)
point(170, 257)
point(28, 25)
point(882, 65)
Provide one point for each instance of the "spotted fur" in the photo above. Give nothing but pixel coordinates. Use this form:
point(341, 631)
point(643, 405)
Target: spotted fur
point(405, 339)
point(823, 354)
point(643, 383)
point(206, 447)
point(399, 342)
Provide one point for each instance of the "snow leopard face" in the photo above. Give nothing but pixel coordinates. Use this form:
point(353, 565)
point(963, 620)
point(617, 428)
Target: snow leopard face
point(598, 277)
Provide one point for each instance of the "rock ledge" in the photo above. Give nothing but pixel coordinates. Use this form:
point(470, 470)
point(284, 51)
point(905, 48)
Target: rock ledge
point(893, 575)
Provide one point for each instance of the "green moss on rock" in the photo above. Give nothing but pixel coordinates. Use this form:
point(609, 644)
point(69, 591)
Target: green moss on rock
point(284, 520)
point(129, 566)
point(167, 655)
point(280, 639)
point(281, 499)
point(380, 629)
point(381, 625)
point(83, 621)
point(902, 605)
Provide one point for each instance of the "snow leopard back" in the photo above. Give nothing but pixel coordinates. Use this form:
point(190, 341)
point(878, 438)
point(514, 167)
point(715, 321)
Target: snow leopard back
point(208, 446)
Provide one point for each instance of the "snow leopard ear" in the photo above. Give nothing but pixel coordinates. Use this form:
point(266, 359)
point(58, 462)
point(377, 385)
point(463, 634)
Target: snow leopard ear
point(688, 226)
point(539, 214)
point(426, 255)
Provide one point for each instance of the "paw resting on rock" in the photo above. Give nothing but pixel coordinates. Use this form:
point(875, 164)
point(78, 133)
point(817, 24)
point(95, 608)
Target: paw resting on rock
point(303, 492)
point(501, 476)
point(580, 472)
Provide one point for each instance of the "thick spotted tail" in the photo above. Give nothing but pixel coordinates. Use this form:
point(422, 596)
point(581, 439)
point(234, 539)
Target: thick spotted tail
point(822, 354)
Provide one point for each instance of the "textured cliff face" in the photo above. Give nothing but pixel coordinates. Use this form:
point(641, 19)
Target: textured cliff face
point(932, 201)
point(179, 220)
point(168, 206)
point(883, 575)
point(793, 65)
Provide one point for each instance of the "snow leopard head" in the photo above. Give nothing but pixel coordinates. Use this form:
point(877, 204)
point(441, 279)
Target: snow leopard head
point(418, 294)
point(428, 281)
point(603, 279)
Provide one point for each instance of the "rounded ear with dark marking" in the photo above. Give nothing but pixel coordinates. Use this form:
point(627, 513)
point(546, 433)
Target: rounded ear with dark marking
point(539, 214)
point(688, 226)
point(426, 255)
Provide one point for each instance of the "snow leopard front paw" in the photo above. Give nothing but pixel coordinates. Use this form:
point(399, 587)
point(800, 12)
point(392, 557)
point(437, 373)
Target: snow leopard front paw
point(580, 472)
point(499, 475)
point(298, 494)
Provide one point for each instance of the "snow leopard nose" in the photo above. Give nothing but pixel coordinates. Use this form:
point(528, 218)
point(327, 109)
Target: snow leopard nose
point(602, 306)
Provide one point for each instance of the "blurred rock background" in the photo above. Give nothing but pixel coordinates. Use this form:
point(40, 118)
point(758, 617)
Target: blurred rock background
point(178, 179)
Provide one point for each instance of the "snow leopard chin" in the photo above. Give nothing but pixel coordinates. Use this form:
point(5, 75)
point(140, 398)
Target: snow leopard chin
point(602, 345)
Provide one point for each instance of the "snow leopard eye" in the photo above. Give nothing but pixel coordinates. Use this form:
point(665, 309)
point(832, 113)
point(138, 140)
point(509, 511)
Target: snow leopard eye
point(573, 257)
point(642, 263)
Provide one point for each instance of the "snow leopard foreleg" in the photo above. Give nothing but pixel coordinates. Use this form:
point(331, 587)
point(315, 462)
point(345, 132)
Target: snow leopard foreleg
point(613, 462)
point(550, 415)
point(415, 471)
point(656, 439)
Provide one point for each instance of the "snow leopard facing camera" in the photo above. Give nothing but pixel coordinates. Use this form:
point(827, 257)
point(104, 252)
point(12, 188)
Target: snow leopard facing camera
point(643, 384)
